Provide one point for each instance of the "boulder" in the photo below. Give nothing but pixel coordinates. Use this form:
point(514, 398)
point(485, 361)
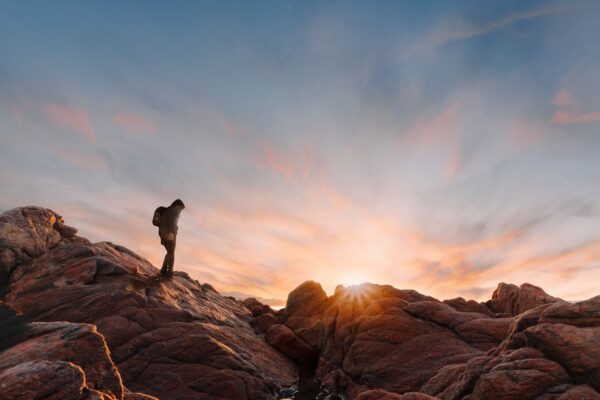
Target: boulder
point(513, 300)
point(367, 339)
point(538, 359)
point(171, 339)
point(460, 304)
point(286, 341)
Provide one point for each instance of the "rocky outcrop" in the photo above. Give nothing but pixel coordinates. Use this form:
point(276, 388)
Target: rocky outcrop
point(379, 342)
point(57, 360)
point(368, 337)
point(172, 339)
point(538, 360)
point(513, 300)
point(460, 304)
point(132, 336)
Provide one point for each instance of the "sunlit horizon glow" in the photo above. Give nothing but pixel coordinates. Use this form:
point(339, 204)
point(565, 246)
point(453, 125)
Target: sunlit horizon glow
point(436, 147)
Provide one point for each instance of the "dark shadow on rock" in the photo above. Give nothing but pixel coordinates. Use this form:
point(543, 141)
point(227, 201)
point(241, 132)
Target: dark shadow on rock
point(13, 327)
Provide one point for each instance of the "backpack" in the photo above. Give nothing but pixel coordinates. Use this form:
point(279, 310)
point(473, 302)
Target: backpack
point(157, 214)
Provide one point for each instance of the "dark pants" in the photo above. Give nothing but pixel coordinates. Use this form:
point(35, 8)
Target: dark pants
point(169, 261)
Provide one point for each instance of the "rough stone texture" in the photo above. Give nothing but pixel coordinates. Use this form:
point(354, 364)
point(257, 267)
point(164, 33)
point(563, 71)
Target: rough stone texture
point(79, 344)
point(285, 340)
point(379, 394)
point(42, 380)
point(513, 300)
point(460, 304)
point(580, 392)
point(538, 360)
point(179, 339)
point(56, 360)
point(172, 339)
point(367, 339)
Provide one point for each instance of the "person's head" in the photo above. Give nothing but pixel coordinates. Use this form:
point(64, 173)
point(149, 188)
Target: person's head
point(179, 203)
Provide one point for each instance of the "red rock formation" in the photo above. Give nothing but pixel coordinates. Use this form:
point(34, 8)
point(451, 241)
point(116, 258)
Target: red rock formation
point(173, 339)
point(58, 360)
point(538, 360)
point(367, 337)
point(180, 339)
point(513, 300)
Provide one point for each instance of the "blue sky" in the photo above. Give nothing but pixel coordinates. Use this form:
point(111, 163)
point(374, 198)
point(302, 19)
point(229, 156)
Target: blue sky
point(442, 146)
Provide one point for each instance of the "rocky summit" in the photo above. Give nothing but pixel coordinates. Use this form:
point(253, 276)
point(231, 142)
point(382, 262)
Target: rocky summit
point(82, 320)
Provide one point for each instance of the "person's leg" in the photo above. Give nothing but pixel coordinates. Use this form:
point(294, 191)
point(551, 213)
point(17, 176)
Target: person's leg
point(165, 265)
point(172, 264)
point(169, 258)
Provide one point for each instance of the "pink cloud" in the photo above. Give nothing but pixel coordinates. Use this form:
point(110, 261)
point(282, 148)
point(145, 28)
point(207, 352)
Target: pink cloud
point(72, 118)
point(277, 162)
point(563, 99)
point(134, 123)
point(563, 117)
point(87, 162)
point(569, 110)
point(442, 132)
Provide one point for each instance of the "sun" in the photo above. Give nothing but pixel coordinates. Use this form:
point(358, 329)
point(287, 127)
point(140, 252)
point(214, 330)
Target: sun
point(351, 278)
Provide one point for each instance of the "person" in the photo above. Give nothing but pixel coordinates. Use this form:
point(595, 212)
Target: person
point(166, 219)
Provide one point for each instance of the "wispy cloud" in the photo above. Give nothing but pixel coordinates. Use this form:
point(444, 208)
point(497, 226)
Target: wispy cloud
point(569, 110)
point(274, 160)
point(134, 123)
point(74, 119)
point(465, 30)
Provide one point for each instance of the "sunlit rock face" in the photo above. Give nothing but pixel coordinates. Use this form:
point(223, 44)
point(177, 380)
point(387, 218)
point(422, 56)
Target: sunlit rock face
point(173, 339)
point(378, 342)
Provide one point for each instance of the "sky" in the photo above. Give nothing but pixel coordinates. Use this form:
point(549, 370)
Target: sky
point(438, 146)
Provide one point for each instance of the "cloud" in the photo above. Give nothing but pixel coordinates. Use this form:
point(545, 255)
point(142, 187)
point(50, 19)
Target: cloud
point(76, 120)
point(569, 110)
point(465, 30)
point(443, 132)
point(274, 160)
point(563, 117)
point(134, 123)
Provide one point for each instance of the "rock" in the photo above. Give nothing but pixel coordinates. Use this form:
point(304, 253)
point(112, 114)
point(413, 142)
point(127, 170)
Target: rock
point(577, 349)
point(286, 341)
point(514, 300)
point(56, 360)
point(484, 334)
point(441, 313)
point(303, 310)
point(580, 392)
point(263, 322)
point(133, 335)
point(538, 360)
point(367, 339)
point(379, 394)
point(519, 379)
point(256, 307)
point(57, 380)
point(25, 233)
point(137, 396)
point(583, 313)
point(171, 339)
point(79, 344)
point(462, 305)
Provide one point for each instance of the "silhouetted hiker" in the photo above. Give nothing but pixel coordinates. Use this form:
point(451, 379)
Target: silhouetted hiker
point(166, 219)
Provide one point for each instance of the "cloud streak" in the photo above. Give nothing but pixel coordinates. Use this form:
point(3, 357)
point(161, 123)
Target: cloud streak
point(74, 119)
point(134, 123)
point(569, 110)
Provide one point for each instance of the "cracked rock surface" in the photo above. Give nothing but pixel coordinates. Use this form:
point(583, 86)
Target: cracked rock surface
point(173, 339)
